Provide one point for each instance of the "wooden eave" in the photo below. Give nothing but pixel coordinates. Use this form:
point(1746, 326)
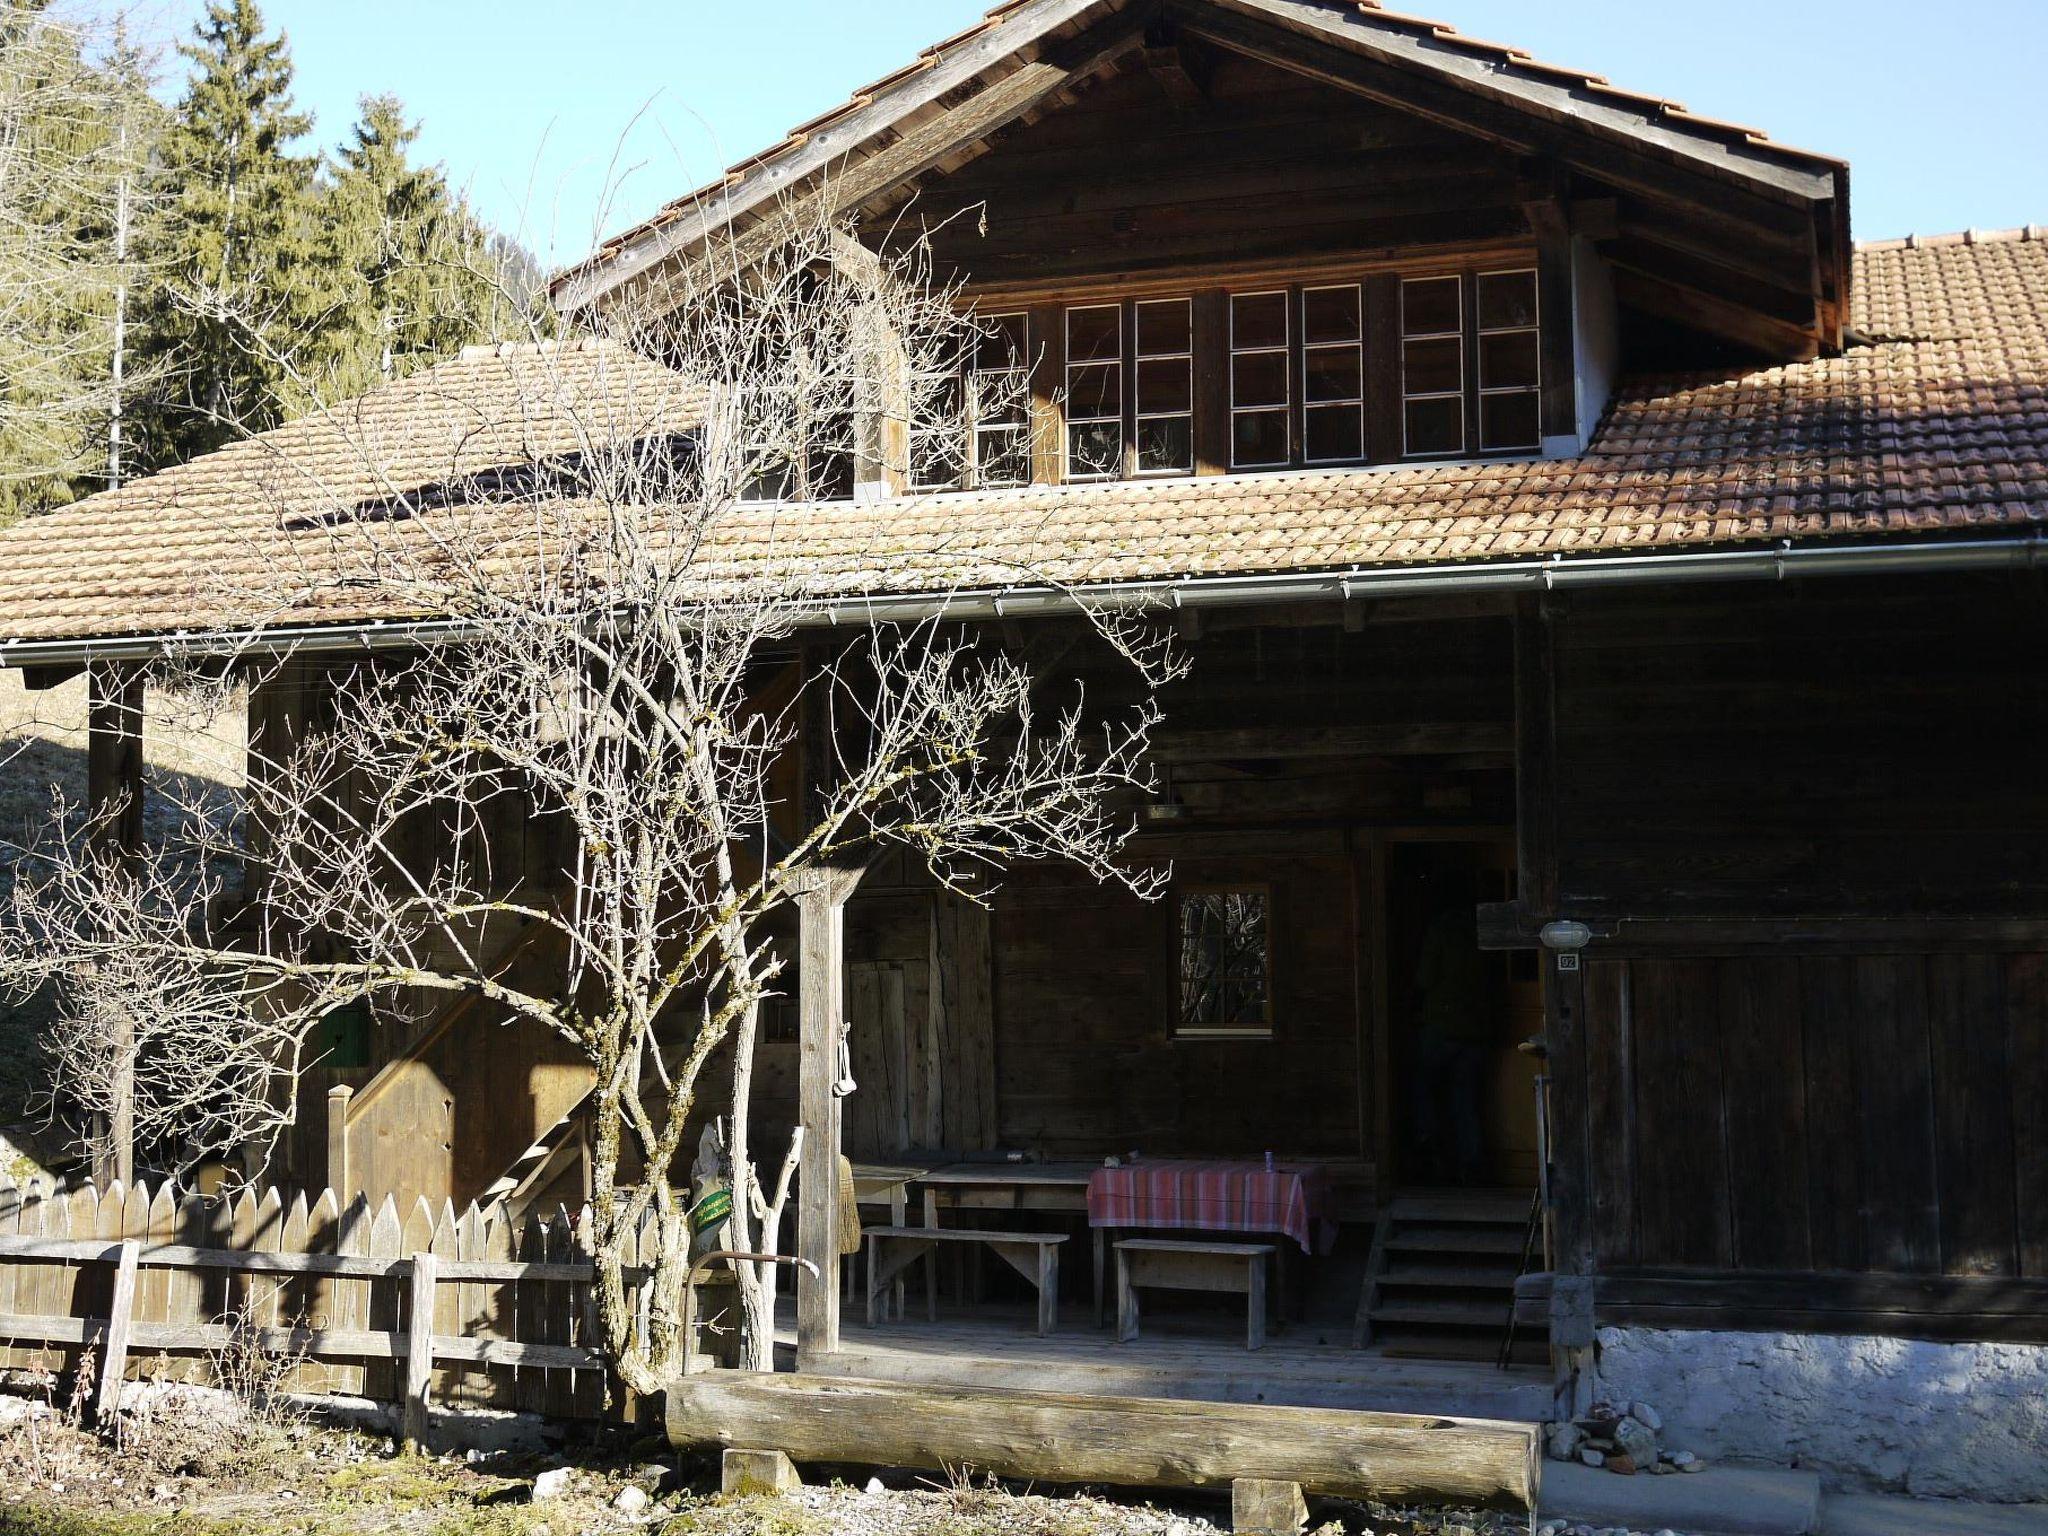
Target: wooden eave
point(1029, 56)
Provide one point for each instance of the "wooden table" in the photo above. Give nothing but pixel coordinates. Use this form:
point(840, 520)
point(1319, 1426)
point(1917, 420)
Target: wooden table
point(1061, 1186)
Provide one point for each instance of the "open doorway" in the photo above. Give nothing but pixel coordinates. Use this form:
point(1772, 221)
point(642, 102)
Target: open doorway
point(1463, 1109)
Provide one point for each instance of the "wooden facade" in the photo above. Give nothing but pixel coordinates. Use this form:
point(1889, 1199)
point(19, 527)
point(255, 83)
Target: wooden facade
point(1797, 1074)
point(1800, 1074)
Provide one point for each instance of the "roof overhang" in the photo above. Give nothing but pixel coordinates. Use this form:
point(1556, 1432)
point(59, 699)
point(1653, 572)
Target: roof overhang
point(1778, 562)
point(1786, 209)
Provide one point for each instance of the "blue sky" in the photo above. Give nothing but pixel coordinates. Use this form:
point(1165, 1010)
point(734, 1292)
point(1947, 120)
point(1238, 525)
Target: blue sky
point(563, 119)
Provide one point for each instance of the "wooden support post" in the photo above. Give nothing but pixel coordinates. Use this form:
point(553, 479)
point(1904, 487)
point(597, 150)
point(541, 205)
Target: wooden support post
point(113, 773)
point(1261, 1506)
point(750, 1474)
point(120, 1325)
point(338, 1172)
point(821, 905)
point(419, 1349)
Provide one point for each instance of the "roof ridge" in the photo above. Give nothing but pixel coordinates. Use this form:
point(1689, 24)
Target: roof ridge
point(1958, 237)
point(478, 351)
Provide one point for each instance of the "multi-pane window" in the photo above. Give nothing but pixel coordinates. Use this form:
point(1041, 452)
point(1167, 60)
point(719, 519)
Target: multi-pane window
point(1510, 362)
point(1164, 399)
point(999, 396)
point(1225, 962)
point(973, 421)
point(1095, 392)
point(798, 460)
point(1261, 381)
point(1332, 374)
point(1432, 365)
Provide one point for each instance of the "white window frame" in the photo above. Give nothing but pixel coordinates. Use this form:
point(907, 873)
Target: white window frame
point(1092, 476)
point(1464, 426)
point(1286, 353)
point(1139, 415)
point(1535, 329)
point(1020, 372)
point(1358, 402)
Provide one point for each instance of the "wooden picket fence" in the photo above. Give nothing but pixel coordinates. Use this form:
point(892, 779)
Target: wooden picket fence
point(159, 1286)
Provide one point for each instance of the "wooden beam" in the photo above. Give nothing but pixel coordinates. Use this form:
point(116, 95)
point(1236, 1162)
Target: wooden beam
point(1713, 314)
point(1462, 90)
point(120, 1329)
point(821, 1000)
point(1535, 740)
point(1258, 743)
point(1946, 1307)
point(1134, 1442)
point(419, 1348)
point(836, 186)
point(43, 679)
point(113, 774)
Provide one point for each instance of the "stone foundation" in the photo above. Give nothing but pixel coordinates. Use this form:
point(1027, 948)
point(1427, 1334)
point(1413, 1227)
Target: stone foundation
point(1967, 1421)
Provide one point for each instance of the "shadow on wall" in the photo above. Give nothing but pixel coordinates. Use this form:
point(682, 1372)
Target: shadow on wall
point(1934, 1420)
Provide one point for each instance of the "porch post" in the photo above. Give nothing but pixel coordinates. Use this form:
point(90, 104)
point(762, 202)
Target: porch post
point(113, 775)
point(821, 995)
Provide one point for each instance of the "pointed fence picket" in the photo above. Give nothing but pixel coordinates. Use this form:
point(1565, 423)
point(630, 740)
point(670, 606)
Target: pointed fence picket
point(507, 1315)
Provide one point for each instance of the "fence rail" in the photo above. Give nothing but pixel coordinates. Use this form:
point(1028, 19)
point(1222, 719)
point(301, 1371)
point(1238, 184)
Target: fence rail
point(160, 1284)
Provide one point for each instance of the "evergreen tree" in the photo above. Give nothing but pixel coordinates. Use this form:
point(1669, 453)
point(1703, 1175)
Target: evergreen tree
point(76, 128)
point(416, 275)
point(237, 249)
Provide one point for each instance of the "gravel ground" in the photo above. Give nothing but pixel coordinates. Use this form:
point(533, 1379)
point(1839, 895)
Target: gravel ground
point(195, 1464)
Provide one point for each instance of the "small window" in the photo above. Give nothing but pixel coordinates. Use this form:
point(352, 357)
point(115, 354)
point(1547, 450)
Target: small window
point(1261, 381)
point(1095, 392)
point(1225, 964)
point(940, 432)
point(1165, 394)
point(343, 1039)
point(1433, 366)
point(1510, 362)
point(1332, 375)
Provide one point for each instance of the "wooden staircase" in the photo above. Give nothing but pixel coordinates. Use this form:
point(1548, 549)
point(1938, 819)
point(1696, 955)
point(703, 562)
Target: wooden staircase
point(1441, 1280)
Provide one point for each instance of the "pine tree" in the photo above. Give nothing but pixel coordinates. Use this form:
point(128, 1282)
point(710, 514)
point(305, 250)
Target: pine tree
point(238, 250)
point(76, 129)
point(416, 274)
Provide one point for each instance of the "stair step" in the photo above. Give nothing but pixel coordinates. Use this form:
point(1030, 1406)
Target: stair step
point(1418, 1312)
point(1488, 1210)
point(1445, 1277)
point(1498, 1240)
point(1469, 1346)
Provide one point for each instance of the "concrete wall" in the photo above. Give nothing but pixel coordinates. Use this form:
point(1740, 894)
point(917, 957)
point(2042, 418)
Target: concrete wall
point(1936, 1420)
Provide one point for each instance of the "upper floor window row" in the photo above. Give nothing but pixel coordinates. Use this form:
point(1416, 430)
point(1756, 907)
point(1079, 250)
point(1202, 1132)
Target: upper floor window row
point(1281, 377)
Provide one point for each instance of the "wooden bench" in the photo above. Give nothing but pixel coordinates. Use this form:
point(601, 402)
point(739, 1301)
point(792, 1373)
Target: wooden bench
point(1034, 1255)
point(1234, 1268)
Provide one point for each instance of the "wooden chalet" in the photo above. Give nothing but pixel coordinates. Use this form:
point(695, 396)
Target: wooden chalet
point(1575, 535)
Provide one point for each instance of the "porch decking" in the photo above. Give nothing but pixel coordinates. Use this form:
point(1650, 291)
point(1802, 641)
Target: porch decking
point(1200, 1358)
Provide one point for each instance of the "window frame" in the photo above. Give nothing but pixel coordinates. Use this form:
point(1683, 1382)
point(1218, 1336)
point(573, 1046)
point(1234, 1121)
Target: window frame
point(1177, 1029)
point(967, 430)
point(1480, 331)
point(1138, 358)
point(1069, 420)
point(1286, 352)
point(1362, 402)
point(1462, 336)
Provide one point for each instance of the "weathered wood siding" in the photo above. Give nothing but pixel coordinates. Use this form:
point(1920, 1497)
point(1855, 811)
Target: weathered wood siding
point(1814, 1038)
point(1267, 164)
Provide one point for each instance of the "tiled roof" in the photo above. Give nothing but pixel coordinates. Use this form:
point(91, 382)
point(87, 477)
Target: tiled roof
point(1936, 424)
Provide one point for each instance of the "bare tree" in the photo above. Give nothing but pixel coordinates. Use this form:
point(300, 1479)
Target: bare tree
point(616, 610)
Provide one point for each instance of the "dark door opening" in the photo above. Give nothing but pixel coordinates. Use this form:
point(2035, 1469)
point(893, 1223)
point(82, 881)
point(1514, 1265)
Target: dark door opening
point(1463, 1105)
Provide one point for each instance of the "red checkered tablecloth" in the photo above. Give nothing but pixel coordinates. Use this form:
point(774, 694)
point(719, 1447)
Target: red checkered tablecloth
point(1290, 1198)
